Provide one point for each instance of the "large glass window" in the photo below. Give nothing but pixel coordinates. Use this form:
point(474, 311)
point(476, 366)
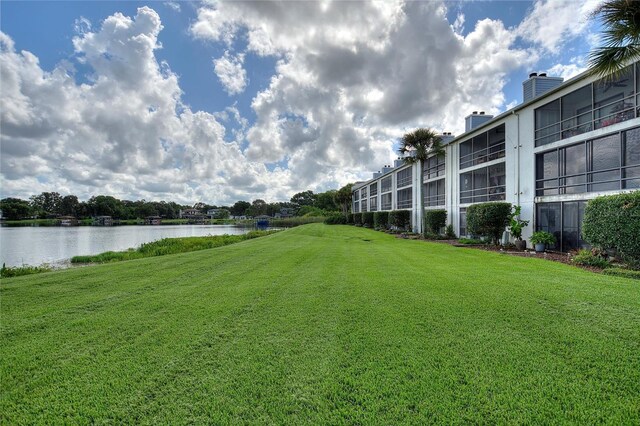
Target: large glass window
point(564, 221)
point(404, 177)
point(385, 201)
point(373, 204)
point(603, 103)
point(463, 222)
point(434, 167)
point(631, 171)
point(404, 199)
point(605, 164)
point(485, 184)
point(434, 193)
point(373, 189)
point(485, 147)
point(363, 193)
point(385, 184)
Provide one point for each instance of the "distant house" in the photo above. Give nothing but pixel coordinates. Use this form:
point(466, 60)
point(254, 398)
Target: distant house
point(193, 216)
point(102, 221)
point(67, 221)
point(285, 212)
point(153, 220)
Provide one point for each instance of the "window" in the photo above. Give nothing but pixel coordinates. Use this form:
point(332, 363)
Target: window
point(404, 177)
point(356, 207)
point(463, 222)
point(609, 163)
point(385, 184)
point(597, 105)
point(356, 195)
point(485, 184)
point(564, 221)
point(373, 204)
point(434, 167)
point(485, 147)
point(434, 193)
point(385, 202)
point(373, 189)
point(631, 159)
point(404, 198)
point(363, 193)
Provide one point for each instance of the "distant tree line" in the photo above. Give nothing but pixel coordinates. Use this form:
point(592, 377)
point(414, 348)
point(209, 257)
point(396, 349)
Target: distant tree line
point(52, 204)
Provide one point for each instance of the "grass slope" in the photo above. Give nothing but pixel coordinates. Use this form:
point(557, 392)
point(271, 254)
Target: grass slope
point(321, 324)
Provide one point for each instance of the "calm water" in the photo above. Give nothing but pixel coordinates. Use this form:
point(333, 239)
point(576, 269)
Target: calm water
point(36, 245)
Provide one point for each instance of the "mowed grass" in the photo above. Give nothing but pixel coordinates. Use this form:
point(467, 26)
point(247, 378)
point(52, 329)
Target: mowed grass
point(322, 325)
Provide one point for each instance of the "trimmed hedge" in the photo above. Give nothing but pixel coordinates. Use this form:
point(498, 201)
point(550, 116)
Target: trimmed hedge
point(349, 219)
point(357, 219)
point(381, 220)
point(435, 220)
point(336, 219)
point(619, 272)
point(488, 219)
point(401, 219)
point(367, 219)
point(613, 222)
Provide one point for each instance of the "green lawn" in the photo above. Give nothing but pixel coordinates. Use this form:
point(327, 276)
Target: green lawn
point(321, 325)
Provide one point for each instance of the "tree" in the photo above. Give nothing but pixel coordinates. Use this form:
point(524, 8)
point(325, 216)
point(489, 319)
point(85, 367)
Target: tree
point(69, 205)
point(343, 198)
point(47, 203)
point(620, 39)
point(240, 208)
point(15, 208)
point(416, 147)
point(258, 207)
point(304, 198)
point(327, 200)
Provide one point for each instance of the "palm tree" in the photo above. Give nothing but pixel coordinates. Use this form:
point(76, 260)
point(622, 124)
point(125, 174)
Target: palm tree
point(417, 147)
point(621, 37)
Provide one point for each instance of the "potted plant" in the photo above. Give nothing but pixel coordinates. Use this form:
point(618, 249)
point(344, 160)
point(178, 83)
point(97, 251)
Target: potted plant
point(515, 227)
point(540, 239)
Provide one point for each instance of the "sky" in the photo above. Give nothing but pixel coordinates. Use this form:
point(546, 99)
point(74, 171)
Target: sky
point(222, 101)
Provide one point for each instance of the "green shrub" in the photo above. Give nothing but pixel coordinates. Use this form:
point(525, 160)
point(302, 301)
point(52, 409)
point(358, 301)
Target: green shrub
point(349, 219)
point(435, 220)
point(450, 233)
point(619, 272)
point(613, 222)
point(432, 236)
point(488, 219)
point(470, 241)
point(543, 237)
point(381, 220)
point(16, 271)
point(357, 219)
point(515, 224)
point(591, 258)
point(401, 219)
point(367, 219)
point(336, 219)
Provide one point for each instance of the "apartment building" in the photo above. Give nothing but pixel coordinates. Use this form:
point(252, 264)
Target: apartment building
point(566, 143)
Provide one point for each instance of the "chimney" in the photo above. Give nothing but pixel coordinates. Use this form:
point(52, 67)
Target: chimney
point(475, 119)
point(386, 169)
point(446, 137)
point(538, 84)
point(398, 162)
point(377, 174)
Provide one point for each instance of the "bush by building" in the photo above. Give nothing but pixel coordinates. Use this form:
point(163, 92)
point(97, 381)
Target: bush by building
point(591, 258)
point(488, 219)
point(357, 219)
point(367, 219)
point(401, 219)
point(349, 219)
point(612, 222)
point(450, 233)
point(435, 220)
point(336, 219)
point(381, 220)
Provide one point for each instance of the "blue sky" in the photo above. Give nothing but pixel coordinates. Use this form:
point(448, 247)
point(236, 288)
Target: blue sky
point(255, 100)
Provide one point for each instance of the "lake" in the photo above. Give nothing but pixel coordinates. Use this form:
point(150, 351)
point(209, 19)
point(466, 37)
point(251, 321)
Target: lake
point(30, 245)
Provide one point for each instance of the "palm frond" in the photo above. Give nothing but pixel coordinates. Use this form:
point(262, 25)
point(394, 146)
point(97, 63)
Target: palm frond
point(420, 144)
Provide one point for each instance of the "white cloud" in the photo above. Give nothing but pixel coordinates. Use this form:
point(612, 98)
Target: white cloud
point(125, 133)
point(352, 77)
point(552, 23)
point(232, 75)
point(173, 5)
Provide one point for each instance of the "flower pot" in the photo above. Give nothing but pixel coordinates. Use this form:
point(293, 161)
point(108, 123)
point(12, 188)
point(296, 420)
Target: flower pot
point(540, 247)
point(521, 244)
